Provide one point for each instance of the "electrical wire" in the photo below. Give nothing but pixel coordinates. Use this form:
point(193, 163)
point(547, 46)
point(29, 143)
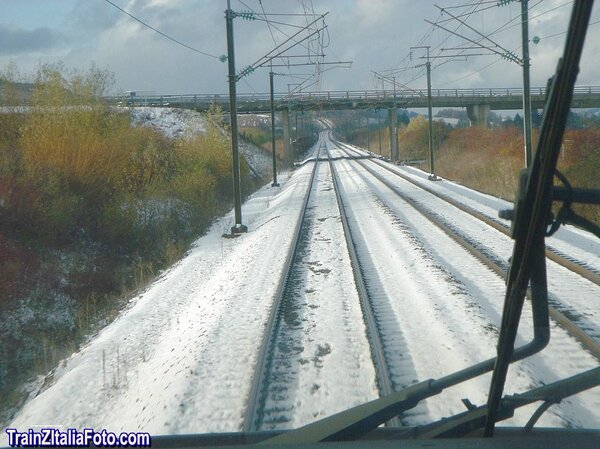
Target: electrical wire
point(495, 2)
point(163, 34)
point(275, 27)
point(275, 22)
point(565, 32)
point(506, 28)
point(315, 45)
point(422, 72)
point(249, 85)
point(503, 27)
point(268, 24)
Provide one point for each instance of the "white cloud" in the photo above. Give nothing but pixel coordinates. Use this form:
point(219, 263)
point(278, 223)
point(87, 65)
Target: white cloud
point(374, 34)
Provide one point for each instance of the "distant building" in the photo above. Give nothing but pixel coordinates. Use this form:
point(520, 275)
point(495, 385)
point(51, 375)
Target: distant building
point(453, 122)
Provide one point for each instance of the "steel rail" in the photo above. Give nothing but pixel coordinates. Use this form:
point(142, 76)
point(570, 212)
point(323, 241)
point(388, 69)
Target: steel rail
point(384, 379)
point(261, 368)
point(551, 254)
point(589, 343)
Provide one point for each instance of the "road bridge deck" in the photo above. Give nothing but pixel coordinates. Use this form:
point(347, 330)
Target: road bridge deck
point(495, 98)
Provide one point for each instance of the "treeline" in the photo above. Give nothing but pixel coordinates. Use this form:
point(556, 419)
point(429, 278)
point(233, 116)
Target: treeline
point(486, 159)
point(90, 209)
point(303, 138)
point(489, 159)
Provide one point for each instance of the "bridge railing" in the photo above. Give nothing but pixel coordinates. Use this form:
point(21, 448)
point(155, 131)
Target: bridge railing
point(337, 96)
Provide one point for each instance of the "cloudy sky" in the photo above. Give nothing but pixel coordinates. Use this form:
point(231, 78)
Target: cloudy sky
point(373, 34)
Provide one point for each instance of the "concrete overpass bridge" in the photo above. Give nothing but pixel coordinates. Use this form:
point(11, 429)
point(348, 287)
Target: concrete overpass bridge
point(477, 101)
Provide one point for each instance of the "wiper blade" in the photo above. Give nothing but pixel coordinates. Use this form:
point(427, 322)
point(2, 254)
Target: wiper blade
point(534, 204)
point(360, 420)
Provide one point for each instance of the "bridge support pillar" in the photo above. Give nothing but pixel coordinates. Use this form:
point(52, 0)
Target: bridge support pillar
point(478, 113)
point(288, 158)
point(393, 136)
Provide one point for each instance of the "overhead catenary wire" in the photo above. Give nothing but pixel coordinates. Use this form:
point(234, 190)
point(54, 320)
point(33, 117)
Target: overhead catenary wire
point(422, 72)
point(314, 46)
point(276, 28)
point(481, 69)
point(266, 58)
point(565, 32)
point(268, 24)
point(481, 37)
point(494, 2)
point(477, 40)
point(470, 13)
point(221, 58)
point(505, 53)
point(504, 28)
point(501, 28)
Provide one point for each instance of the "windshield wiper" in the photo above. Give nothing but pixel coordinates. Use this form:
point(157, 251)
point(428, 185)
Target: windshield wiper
point(534, 204)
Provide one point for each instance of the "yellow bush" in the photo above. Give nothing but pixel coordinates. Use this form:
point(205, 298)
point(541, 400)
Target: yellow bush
point(72, 133)
point(203, 166)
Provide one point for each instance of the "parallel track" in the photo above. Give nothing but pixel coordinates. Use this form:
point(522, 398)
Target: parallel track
point(257, 396)
point(572, 328)
point(375, 343)
point(551, 254)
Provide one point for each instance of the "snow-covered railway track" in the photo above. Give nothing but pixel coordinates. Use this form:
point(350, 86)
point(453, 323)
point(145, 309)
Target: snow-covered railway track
point(384, 376)
point(443, 305)
point(255, 401)
point(316, 353)
point(573, 322)
point(584, 270)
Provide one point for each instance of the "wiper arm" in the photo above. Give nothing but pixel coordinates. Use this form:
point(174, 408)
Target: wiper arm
point(534, 203)
point(357, 421)
point(472, 420)
point(360, 420)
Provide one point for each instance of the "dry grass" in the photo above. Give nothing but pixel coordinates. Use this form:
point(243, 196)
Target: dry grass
point(485, 159)
point(78, 184)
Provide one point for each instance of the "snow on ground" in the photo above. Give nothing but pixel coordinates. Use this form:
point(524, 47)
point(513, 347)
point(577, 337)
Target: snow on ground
point(562, 282)
point(172, 122)
point(446, 303)
point(568, 239)
point(259, 160)
point(180, 358)
point(322, 362)
point(176, 122)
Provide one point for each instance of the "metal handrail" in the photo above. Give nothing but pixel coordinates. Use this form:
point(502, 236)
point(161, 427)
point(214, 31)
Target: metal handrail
point(342, 95)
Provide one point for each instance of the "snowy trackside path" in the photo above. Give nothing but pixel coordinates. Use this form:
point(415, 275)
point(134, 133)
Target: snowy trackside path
point(582, 308)
point(568, 240)
point(181, 358)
